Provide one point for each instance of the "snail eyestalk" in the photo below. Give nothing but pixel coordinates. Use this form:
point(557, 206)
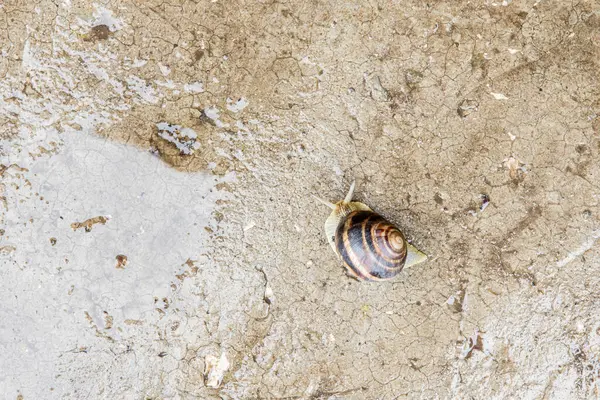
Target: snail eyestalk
point(348, 198)
point(328, 204)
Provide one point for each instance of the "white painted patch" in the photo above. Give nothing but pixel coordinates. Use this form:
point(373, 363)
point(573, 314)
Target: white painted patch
point(157, 220)
point(103, 16)
point(139, 63)
point(249, 226)
point(470, 344)
point(269, 294)
point(484, 206)
point(585, 246)
point(238, 105)
point(214, 370)
point(195, 87)
point(242, 128)
point(499, 96)
point(183, 138)
point(165, 70)
point(214, 114)
point(169, 84)
point(141, 88)
point(28, 61)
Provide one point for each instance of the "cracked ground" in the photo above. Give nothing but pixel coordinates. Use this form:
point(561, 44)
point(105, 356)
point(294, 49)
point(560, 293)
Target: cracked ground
point(158, 161)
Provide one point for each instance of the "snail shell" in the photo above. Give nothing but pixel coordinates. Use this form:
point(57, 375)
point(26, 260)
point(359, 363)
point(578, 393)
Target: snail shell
point(371, 247)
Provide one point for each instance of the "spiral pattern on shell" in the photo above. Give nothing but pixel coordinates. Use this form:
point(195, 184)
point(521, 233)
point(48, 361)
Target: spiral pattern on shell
point(370, 246)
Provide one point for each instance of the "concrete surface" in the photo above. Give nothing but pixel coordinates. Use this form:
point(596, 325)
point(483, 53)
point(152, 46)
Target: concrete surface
point(159, 238)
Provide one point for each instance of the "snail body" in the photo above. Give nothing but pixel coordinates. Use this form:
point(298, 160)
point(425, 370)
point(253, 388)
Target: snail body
point(371, 247)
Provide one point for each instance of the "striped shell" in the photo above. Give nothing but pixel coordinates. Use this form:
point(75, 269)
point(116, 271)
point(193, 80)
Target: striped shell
point(370, 246)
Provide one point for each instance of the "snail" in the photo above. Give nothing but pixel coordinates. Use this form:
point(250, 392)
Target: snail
point(371, 247)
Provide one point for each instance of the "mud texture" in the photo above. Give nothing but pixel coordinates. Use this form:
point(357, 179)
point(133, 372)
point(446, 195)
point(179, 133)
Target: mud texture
point(199, 130)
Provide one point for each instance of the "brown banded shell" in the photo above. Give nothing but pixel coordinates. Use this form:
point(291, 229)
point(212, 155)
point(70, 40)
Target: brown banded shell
point(370, 246)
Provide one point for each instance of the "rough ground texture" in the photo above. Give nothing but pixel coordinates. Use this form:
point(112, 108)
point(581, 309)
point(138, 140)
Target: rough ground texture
point(157, 164)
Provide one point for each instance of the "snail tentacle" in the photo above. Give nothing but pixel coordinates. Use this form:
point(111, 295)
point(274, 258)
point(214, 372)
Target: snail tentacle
point(328, 204)
point(348, 197)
